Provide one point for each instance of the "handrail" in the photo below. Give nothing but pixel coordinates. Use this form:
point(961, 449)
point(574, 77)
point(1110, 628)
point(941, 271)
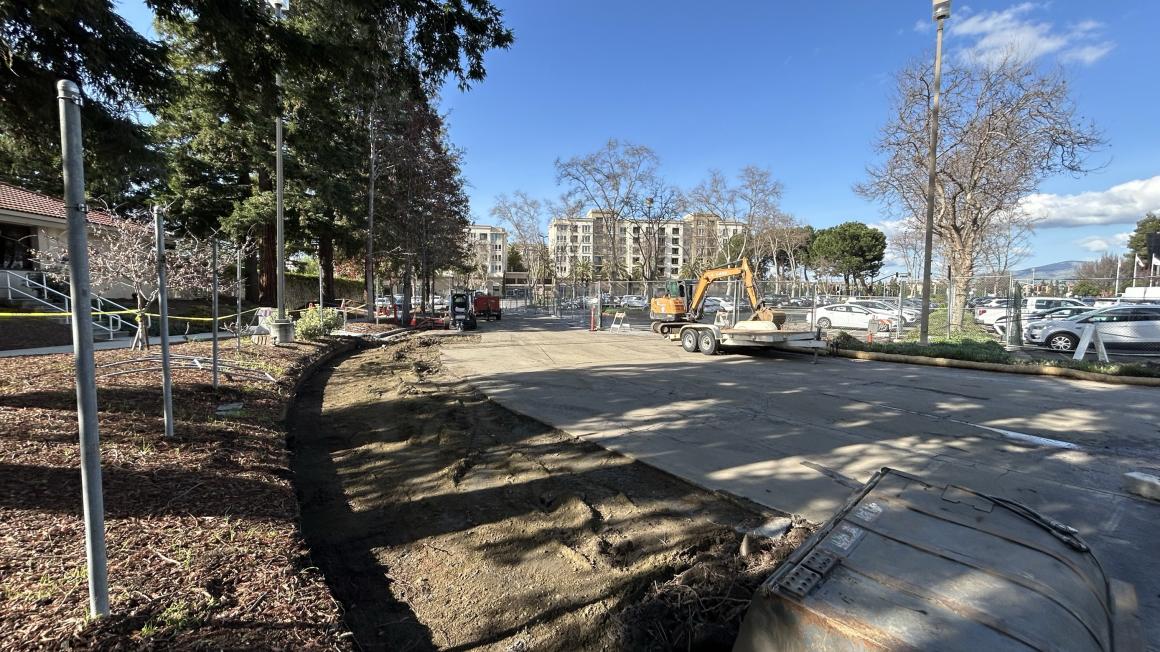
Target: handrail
point(27, 281)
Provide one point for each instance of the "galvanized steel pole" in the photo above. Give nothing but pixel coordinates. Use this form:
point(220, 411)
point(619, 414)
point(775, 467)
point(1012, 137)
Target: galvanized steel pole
point(163, 298)
point(214, 309)
point(924, 320)
point(92, 498)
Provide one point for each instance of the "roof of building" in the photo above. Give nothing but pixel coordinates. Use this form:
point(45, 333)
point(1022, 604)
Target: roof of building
point(16, 199)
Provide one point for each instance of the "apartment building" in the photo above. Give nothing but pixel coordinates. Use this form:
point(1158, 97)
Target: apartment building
point(590, 244)
point(489, 249)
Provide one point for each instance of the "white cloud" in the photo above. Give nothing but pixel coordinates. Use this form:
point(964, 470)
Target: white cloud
point(1015, 31)
point(1099, 244)
point(923, 26)
point(1121, 204)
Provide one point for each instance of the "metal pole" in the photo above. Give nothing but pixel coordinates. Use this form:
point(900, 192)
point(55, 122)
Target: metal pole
point(278, 192)
point(369, 266)
point(1116, 291)
point(238, 317)
point(69, 100)
point(214, 309)
point(924, 321)
point(163, 297)
point(320, 279)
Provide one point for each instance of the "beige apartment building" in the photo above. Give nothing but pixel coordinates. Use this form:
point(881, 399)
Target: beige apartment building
point(489, 249)
point(588, 246)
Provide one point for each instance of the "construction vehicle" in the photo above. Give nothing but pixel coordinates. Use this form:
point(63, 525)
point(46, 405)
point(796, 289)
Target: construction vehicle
point(460, 315)
point(678, 312)
point(487, 306)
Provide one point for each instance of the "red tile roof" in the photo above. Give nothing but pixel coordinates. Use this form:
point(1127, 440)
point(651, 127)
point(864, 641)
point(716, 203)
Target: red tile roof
point(14, 198)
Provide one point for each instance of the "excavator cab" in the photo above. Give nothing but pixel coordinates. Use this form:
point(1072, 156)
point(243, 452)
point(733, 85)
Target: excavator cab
point(671, 302)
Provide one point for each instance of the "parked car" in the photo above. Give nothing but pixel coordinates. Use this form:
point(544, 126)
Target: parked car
point(634, 301)
point(909, 315)
point(989, 316)
point(845, 315)
point(714, 304)
point(1120, 327)
point(1062, 312)
point(775, 300)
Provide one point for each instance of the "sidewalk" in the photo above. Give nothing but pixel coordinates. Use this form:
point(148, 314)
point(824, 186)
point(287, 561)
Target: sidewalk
point(106, 345)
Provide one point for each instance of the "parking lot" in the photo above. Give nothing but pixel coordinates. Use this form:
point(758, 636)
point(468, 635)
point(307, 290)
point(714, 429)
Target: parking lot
point(777, 429)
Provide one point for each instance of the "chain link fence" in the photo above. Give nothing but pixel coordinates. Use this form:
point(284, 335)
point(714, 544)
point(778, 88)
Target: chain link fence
point(1042, 318)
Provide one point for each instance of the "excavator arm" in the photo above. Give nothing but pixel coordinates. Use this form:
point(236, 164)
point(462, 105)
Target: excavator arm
point(741, 269)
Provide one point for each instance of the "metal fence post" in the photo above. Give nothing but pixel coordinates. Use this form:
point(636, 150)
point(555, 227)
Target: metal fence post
point(92, 498)
point(238, 317)
point(163, 298)
point(214, 309)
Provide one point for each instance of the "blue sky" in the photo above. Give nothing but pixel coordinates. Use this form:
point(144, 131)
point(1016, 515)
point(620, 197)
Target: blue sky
point(798, 87)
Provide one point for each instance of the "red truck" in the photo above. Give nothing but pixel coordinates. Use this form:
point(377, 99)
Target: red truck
point(487, 307)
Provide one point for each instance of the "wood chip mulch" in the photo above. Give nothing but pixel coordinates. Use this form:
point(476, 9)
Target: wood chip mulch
point(202, 530)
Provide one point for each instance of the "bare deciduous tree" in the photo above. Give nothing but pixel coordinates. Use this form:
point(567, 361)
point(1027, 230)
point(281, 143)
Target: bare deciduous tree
point(1004, 128)
point(126, 256)
point(526, 217)
point(611, 181)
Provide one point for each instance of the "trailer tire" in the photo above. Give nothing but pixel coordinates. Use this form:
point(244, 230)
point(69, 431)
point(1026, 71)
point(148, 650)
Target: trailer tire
point(708, 342)
point(689, 340)
point(656, 327)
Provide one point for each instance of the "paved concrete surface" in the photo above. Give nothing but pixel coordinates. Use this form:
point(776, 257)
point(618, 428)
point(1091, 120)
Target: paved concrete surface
point(767, 428)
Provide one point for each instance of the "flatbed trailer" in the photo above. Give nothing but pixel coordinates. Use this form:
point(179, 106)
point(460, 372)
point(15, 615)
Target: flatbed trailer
point(711, 338)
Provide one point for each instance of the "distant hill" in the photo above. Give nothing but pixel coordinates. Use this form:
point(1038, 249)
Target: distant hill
point(1062, 269)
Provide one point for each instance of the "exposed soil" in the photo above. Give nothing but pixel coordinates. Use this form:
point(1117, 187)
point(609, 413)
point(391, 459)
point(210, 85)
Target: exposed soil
point(442, 520)
point(202, 529)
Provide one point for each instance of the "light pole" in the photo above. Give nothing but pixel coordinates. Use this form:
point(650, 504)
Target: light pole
point(283, 327)
point(942, 11)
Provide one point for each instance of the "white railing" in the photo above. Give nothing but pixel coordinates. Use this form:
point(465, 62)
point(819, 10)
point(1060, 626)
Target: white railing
point(20, 284)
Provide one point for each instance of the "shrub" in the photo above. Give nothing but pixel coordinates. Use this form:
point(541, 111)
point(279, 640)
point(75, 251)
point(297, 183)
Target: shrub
point(313, 324)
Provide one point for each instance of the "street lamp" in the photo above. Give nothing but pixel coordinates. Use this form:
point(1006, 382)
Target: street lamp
point(941, 11)
point(283, 327)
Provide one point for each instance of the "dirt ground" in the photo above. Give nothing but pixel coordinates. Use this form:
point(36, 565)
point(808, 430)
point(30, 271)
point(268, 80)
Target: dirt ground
point(441, 520)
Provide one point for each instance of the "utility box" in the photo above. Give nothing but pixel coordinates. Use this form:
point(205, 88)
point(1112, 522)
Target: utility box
point(907, 565)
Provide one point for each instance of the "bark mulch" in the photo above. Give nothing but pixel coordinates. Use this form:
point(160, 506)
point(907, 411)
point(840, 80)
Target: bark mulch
point(202, 530)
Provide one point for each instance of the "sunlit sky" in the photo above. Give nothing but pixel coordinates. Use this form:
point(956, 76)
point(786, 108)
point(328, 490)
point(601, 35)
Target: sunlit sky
point(801, 88)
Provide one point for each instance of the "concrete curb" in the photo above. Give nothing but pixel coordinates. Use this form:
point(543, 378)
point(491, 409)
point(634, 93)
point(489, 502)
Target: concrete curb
point(1028, 370)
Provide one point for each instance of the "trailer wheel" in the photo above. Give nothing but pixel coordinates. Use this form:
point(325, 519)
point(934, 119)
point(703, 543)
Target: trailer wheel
point(656, 327)
point(689, 341)
point(708, 342)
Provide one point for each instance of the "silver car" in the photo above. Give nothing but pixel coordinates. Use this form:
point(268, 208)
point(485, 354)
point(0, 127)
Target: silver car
point(1120, 327)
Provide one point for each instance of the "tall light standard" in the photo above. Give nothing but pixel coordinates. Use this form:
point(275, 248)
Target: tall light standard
point(283, 327)
point(942, 11)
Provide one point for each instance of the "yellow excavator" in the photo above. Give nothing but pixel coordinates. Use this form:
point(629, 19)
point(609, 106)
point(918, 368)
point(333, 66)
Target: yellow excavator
point(682, 302)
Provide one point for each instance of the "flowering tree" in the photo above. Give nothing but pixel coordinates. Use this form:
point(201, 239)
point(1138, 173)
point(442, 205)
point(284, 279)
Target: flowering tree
point(126, 255)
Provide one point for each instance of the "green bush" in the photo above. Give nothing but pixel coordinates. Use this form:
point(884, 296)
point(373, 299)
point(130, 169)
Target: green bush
point(312, 324)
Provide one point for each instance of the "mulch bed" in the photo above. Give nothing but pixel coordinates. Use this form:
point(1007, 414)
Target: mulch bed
point(202, 529)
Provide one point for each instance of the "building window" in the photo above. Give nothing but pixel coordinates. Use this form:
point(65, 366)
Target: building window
point(676, 252)
point(586, 228)
point(586, 238)
point(676, 262)
point(496, 237)
point(585, 250)
point(483, 236)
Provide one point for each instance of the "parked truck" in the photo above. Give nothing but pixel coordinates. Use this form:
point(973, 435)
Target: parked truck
point(487, 307)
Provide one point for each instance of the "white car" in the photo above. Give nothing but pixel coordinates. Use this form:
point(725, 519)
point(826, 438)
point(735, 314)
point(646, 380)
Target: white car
point(633, 301)
point(715, 304)
point(845, 315)
point(1121, 327)
point(988, 316)
point(909, 315)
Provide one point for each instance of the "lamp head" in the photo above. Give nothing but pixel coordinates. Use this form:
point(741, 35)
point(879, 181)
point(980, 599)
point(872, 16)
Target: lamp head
point(942, 9)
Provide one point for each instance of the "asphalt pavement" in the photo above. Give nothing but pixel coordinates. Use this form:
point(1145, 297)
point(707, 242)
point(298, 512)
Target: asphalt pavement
point(777, 429)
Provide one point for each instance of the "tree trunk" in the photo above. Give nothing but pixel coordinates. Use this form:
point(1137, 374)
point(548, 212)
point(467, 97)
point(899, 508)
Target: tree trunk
point(407, 292)
point(268, 266)
point(326, 265)
point(250, 273)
